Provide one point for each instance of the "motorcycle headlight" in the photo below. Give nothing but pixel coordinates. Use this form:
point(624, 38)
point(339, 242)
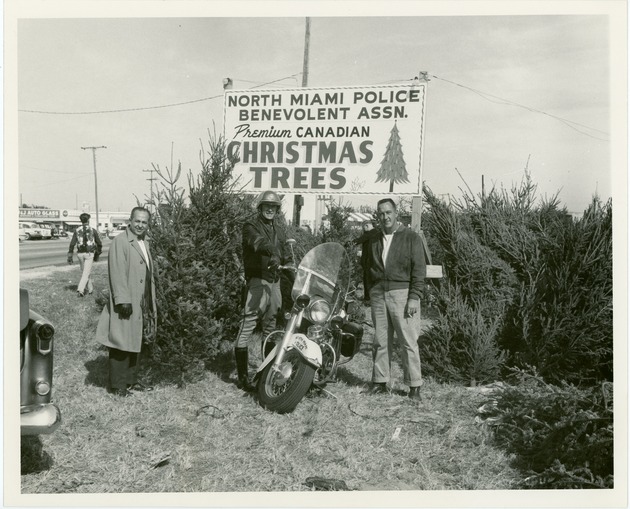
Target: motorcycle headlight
point(318, 311)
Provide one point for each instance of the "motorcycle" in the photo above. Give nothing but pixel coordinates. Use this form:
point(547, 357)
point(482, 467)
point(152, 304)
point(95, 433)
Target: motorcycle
point(317, 338)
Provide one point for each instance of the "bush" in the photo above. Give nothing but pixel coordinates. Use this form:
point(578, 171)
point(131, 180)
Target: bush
point(561, 322)
point(337, 230)
point(197, 256)
point(543, 280)
point(562, 435)
point(469, 354)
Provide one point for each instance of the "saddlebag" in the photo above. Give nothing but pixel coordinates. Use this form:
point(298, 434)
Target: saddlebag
point(351, 337)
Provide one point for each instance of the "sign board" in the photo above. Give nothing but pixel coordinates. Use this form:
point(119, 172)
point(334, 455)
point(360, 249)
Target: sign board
point(345, 140)
point(39, 214)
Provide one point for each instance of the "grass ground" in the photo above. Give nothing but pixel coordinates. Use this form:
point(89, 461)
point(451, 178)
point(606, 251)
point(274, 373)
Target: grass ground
point(209, 436)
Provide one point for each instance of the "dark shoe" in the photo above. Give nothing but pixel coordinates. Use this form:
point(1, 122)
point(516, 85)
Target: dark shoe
point(140, 387)
point(241, 356)
point(378, 388)
point(79, 294)
point(123, 393)
point(414, 394)
point(246, 385)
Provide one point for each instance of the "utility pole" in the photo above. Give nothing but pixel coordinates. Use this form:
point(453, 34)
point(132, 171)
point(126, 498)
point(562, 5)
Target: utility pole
point(298, 200)
point(307, 42)
point(151, 180)
point(94, 149)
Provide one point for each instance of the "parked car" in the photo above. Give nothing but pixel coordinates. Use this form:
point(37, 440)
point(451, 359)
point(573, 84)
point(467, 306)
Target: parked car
point(47, 230)
point(38, 415)
point(31, 230)
point(117, 231)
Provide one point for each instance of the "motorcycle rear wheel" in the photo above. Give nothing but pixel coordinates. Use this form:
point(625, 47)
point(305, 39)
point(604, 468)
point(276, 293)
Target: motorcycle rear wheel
point(283, 396)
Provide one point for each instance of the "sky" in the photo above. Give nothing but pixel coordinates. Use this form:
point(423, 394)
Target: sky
point(505, 92)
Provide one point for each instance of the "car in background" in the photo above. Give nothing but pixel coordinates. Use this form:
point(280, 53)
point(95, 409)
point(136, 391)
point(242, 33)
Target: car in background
point(117, 231)
point(38, 415)
point(47, 230)
point(31, 231)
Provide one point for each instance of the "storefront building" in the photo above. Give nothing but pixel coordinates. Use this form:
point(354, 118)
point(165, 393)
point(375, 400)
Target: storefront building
point(68, 219)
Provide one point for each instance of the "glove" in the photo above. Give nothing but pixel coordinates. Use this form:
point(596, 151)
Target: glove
point(97, 255)
point(274, 263)
point(70, 261)
point(124, 310)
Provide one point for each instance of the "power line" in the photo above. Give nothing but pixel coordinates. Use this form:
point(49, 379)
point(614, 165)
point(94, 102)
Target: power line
point(568, 123)
point(48, 184)
point(144, 108)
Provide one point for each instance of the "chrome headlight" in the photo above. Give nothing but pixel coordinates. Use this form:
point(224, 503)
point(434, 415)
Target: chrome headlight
point(318, 311)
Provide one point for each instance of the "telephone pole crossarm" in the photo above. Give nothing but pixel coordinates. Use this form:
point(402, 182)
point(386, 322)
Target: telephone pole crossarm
point(151, 179)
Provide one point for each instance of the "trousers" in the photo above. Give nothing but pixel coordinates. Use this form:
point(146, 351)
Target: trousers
point(123, 368)
point(388, 310)
point(85, 262)
point(262, 303)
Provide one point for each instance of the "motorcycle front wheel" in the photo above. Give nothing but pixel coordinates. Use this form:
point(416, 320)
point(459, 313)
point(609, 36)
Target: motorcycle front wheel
point(282, 391)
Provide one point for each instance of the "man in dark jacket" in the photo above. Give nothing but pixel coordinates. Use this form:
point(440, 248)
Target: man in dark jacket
point(394, 274)
point(264, 250)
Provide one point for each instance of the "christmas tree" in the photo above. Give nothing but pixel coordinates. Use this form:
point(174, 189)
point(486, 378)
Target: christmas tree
point(393, 167)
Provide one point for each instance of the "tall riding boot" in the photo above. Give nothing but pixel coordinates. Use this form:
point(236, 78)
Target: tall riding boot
point(241, 356)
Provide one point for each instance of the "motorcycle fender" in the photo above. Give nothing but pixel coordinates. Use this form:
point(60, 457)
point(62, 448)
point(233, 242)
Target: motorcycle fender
point(309, 350)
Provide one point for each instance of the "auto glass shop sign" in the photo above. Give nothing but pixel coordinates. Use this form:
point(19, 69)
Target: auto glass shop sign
point(349, 140)
point(39, 214)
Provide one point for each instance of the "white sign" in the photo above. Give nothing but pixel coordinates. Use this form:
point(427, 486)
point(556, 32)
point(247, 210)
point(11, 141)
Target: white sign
point(349, 140)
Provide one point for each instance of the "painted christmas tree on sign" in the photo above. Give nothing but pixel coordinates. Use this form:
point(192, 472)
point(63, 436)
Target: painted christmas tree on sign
point(393, 167)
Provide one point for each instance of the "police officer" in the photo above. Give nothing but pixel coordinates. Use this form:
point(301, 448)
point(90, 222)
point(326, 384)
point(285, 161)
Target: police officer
point(264, 250)
point(89, 248)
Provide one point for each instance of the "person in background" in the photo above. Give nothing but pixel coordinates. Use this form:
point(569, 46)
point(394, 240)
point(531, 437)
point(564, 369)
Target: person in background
point(368, 231)
point(264, 250)
point(129, 319)
point(89, 248)
point(395, 270)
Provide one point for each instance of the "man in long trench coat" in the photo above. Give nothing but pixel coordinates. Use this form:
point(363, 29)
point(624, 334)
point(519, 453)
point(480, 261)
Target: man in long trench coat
point(132, 299)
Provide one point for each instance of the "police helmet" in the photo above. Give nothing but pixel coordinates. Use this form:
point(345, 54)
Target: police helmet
point(85, 217)
point(269, 197)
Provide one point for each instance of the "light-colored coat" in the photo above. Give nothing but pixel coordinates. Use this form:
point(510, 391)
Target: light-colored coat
point(127, 275)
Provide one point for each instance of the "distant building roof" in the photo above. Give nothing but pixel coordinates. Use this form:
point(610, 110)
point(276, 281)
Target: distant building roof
point(359, 217)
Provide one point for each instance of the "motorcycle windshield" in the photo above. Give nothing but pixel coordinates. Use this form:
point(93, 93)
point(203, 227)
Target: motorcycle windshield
point(324, 272)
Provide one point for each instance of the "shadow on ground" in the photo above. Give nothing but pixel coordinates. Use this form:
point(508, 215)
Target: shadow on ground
point(97, 371)
point(33, 457)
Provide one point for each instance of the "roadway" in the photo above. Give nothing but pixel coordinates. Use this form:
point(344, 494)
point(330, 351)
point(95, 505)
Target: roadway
point(44, 253)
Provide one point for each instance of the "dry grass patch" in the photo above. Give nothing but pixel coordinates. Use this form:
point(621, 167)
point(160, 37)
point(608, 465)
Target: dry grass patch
point(209, 436)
